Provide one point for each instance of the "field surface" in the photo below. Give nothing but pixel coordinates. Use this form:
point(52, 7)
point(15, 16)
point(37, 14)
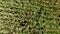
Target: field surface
point(29, 16)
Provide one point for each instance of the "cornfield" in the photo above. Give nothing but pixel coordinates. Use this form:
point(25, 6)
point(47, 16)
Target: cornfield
point(29, 16)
